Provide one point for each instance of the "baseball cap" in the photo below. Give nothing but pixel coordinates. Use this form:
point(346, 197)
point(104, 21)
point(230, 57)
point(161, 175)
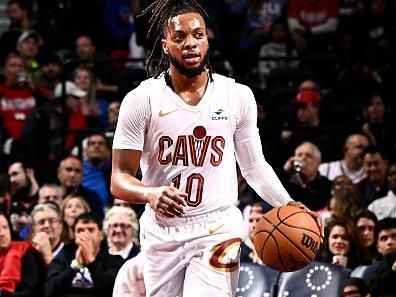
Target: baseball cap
point(71, 89)
point(26, 34)
point(307, 96)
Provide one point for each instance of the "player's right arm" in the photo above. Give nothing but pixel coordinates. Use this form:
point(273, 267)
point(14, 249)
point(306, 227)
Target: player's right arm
point(166, 200)
point(128, 145)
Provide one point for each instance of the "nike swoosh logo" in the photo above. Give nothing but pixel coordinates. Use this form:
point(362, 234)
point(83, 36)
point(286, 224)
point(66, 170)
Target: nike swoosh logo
point(165, 113)
point(214, 229)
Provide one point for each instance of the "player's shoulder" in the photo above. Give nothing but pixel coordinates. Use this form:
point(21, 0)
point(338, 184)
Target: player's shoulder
point(236, 88)
point(144, 90)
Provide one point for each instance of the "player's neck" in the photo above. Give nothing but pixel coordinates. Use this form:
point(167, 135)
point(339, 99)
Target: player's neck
point(190, 90)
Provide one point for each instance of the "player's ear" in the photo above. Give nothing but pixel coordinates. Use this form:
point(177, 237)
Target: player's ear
point(164, 46)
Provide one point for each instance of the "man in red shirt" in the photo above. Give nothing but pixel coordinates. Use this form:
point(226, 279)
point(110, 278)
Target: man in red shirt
point(17, 99)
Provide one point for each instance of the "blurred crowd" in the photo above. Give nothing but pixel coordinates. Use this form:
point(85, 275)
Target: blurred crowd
point(323, 73)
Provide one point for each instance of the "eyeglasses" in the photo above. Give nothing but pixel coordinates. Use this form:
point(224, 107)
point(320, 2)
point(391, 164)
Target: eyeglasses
point(121, 225)
point(49, 220)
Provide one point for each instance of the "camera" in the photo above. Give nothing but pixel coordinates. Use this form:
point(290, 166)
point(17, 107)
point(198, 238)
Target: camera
point(21, 78)
point(298, 165)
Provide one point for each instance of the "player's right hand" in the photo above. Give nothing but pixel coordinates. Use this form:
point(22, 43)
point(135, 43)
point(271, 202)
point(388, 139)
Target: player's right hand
point(168, 201)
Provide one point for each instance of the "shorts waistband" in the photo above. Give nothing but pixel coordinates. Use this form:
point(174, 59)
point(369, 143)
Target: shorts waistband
point(177, 221)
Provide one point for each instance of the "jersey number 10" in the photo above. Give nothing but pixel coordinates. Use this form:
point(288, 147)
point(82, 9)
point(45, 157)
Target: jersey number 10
point(194, 181)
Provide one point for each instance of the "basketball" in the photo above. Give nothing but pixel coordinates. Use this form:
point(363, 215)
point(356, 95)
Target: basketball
point(287, 238)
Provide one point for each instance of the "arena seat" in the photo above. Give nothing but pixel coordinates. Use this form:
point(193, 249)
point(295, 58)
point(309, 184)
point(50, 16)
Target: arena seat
point(318, 279)
point(256, 280)
point(365, 272)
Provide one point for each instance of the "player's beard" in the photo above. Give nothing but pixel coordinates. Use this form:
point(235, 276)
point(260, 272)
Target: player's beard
point(189, 72)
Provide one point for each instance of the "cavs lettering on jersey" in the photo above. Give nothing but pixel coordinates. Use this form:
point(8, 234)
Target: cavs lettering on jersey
point(190, 147)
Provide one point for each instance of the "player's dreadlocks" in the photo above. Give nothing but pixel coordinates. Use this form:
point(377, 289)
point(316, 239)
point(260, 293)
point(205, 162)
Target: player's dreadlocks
point(160, 12)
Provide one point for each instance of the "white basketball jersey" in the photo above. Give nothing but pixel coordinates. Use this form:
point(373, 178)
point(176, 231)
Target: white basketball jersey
point(190, 147)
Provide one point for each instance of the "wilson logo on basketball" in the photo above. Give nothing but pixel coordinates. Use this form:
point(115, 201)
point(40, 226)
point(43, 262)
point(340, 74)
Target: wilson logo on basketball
point(310, 243)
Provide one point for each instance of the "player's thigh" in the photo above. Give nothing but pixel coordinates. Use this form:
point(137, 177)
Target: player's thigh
point(214, 268)
point(203, 280)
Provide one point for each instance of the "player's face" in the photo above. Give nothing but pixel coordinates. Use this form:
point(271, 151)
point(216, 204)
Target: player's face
point(338, 241)
point(186, 43)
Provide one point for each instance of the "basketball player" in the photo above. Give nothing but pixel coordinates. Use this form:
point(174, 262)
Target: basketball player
point(187, 127)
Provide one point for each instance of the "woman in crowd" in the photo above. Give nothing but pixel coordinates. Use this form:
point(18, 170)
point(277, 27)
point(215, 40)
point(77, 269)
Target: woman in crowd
point(342, 246)
point(377, 124)
point(366, 225)
point(344, 204)
point(92, 107)
point(71, 208)
point(122, 229)
point(21, 267)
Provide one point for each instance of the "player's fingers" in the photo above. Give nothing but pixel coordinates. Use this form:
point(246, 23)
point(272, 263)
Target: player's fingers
point(177, 195)
point(165, 213)
point(169, 204)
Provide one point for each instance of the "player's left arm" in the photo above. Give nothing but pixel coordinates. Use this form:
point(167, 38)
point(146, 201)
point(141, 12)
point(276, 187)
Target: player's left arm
point(254, 168)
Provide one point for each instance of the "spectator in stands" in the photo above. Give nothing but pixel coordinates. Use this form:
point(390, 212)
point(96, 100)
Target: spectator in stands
point(248, 251)
point(260, 16)
point(352, 163)
point(301, 177)
point(92, 107)
point(366, 224)
point(308, 125)
point(24, 194)
point(344, 204)
point(377, 30)
point(106, 78)
point(112, 114)
point(386, 206)
point(279, 45)
point(382, 282)
point(311, 21)
point(70, 176)
point(51, 71)
point(50, 193)
point(21, 267)
point(45, 132)
point(71, 208)
point(341, 182)
point(375, 165)
point(18, 13)
point(84, 268)
point(377, 124)
point(28, 47)
point(121, 227)
point(119, 23)
point(97, 166)
point(47, 230)
point(18, 98)
point(355, 287)
point(342, 240)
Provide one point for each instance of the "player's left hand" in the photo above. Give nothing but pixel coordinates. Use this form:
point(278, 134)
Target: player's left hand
point(316, 216)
